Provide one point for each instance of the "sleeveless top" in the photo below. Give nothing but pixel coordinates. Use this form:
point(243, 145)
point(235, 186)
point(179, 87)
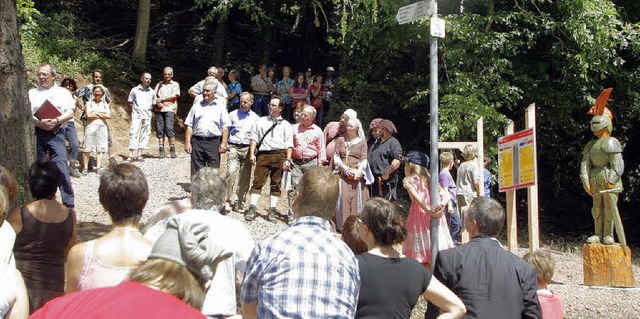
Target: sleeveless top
point(95, 274)
point(40, 250)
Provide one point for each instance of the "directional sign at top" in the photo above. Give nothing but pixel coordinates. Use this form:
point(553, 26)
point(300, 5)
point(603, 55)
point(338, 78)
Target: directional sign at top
point(414, 12)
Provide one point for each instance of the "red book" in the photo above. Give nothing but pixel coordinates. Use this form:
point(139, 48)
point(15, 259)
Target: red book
point(47, 111)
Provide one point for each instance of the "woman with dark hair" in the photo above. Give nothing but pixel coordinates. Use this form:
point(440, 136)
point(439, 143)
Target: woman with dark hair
point(170, 284)
point(391, 282)
point(45, 230)
point(299, 91)
point(108, 260)
point(71, 134)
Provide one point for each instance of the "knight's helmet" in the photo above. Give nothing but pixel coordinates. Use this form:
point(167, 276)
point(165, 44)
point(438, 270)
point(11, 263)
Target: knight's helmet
point(602, 116)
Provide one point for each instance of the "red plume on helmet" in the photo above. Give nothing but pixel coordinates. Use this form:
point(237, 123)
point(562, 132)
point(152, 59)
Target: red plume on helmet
point(601, 104)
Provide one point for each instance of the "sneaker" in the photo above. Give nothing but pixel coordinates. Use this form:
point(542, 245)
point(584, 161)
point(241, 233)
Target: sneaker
point(172, 151)
point(272, 214)
point(74, 172)
point(226, 208)
point(161, 153)
point(251, 213)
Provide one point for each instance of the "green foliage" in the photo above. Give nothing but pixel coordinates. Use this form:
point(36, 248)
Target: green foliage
point(53, 38)
point(495, 61)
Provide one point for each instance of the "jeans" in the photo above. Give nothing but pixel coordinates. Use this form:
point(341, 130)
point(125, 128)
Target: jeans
point(48, 143)
point(455, 223)
point(298, 168)
point(238, 162)
point(72, 137)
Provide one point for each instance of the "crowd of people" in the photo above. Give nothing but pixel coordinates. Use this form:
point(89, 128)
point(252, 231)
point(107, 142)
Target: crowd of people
point(336, 181)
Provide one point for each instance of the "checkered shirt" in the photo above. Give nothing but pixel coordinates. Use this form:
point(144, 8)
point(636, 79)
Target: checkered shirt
point(305, 271)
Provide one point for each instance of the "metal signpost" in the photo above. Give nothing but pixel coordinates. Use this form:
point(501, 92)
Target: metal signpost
point(411, 13)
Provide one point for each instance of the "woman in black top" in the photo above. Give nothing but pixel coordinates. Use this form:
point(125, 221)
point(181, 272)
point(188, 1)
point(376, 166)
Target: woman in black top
point(390, 282)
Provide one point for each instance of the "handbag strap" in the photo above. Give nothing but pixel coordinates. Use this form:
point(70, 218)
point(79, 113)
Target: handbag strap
point(275, 123)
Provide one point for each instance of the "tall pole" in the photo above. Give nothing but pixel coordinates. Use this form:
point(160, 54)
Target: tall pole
point(433, 111)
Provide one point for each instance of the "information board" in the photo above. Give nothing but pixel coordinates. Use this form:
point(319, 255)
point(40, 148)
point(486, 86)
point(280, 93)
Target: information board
point(517, 160)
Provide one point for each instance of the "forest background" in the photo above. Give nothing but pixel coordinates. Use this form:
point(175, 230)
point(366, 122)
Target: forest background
point(497, 57)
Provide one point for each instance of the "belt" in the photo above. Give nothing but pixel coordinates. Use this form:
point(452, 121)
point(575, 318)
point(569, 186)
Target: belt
point(270, 152)
point(304, 161)
point(239, 145)
point(205, 138)
point(262, 94)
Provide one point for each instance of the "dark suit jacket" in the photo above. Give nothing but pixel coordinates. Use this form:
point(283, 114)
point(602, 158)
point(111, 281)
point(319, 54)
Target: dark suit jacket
point(492, 282)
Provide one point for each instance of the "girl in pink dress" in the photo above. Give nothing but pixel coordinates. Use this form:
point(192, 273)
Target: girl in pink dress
point(418, 242)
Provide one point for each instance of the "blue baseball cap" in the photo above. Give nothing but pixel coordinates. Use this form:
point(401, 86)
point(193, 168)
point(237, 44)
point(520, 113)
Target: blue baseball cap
point(417, 158)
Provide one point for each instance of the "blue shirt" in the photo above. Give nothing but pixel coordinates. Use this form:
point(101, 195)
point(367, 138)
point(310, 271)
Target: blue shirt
point(280, 87)
point(234, 87)
point(487, 183)
point(241, 126)
point(304, 271)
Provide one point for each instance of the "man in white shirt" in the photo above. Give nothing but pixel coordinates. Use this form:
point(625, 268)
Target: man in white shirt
point(207, 130)
point(272, 138)
point(167, 93)
point(242, 121)
point(141, 99)
point(221, 92)
point(50, 131)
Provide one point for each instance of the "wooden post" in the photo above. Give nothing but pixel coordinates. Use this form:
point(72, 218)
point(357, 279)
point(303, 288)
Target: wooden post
point(480, 139)
point(512, 224)
point(532, 191)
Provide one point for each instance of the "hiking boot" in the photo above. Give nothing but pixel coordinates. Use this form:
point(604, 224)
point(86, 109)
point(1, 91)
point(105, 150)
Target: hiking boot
point(251, 213)
point(172, 151)
point(272, 214)
point(74, 172)
point(289, 218)
point(161, 153)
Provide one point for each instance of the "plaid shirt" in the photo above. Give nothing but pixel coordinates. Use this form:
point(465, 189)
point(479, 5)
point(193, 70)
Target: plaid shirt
point(305, 271)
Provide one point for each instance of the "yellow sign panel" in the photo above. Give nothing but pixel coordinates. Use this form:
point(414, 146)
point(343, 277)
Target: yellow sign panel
point(517, 160)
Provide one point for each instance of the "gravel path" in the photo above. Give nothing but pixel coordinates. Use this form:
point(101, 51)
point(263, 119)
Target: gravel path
point(168, 179)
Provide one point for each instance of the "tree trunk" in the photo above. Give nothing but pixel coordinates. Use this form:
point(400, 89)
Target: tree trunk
point(142, 30)
point(219, 40)
point(17, 139)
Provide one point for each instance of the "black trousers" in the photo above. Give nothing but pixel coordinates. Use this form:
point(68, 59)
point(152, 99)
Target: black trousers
point(204, 153)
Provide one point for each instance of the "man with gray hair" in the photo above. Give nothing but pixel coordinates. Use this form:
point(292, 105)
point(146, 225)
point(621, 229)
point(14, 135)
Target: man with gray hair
point(207, 130)
point(167, 93)
point(220, 92)
point(308, 149)
point(491, 281)
point(208, 193)
point(238, 166)
point(50, 130)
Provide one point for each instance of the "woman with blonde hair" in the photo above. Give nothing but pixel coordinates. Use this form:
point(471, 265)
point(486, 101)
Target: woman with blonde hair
point(416, 182)
point(390, 282)
point(14, 302)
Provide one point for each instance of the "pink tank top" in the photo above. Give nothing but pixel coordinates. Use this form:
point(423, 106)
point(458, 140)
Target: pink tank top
point(95, 274)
